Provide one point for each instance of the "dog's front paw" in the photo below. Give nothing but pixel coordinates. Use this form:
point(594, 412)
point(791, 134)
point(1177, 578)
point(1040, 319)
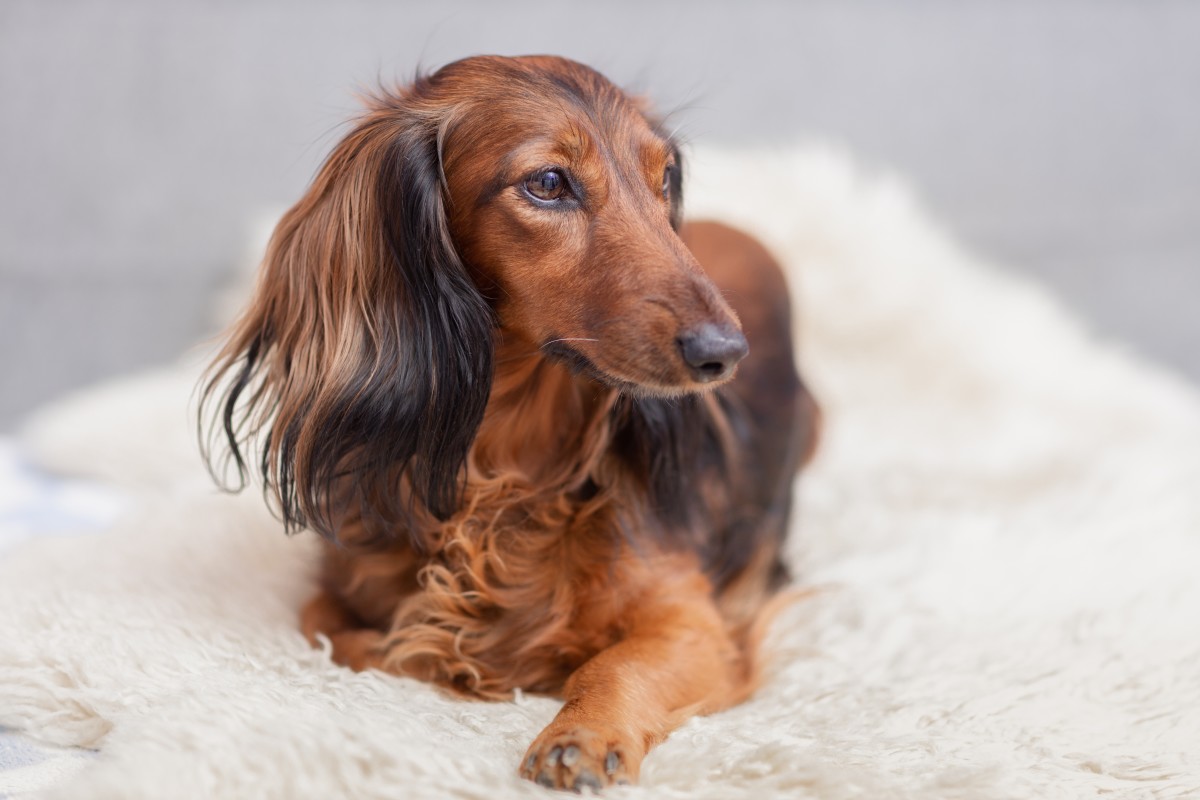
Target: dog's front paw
point(579, 758)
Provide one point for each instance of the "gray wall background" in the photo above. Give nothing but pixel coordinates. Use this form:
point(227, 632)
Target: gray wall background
point(138, 139)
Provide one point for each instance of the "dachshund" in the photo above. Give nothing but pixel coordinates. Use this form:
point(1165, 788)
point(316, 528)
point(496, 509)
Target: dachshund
point(491, 366)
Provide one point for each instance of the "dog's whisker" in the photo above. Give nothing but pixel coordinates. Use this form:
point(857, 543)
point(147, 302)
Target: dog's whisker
point(567, 339)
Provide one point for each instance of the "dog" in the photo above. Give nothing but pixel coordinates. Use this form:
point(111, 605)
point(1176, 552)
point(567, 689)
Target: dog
point(547, 429)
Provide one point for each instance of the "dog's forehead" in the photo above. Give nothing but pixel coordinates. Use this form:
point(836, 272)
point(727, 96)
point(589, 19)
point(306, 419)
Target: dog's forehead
point(549, 96)
point(575, 128)
point(530, 75)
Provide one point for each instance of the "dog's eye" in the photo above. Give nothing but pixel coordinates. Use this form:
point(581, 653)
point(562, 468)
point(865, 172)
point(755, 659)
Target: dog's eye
point(547, 186)
point(666, 187)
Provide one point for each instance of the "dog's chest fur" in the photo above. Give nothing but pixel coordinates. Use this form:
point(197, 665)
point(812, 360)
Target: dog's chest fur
point(535, 573)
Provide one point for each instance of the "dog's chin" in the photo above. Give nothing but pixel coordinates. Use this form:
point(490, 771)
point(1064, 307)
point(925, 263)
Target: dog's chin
point(662, 383)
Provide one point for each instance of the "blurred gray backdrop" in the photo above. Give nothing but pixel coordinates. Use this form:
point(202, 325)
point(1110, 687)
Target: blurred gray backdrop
point(139, 139)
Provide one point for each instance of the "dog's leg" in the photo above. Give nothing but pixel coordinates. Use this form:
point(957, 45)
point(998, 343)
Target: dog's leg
point(676, 660)
point(354, 646)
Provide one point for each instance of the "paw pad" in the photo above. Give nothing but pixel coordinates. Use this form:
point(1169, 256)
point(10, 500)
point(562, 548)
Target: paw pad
point(578, 758)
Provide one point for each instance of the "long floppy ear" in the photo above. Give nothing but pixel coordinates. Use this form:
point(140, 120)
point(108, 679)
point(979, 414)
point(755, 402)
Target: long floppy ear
point(361, 370)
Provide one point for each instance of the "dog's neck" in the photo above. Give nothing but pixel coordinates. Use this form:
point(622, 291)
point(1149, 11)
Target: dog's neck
point(545, 425)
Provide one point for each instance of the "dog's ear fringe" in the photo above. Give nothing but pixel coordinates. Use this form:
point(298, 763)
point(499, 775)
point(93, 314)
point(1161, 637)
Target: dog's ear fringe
point(360, 372)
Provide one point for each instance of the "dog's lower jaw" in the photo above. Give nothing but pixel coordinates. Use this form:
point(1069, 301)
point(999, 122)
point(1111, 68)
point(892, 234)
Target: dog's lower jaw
point(646, 387)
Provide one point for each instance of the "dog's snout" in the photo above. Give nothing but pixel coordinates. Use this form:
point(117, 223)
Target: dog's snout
point(712, 351)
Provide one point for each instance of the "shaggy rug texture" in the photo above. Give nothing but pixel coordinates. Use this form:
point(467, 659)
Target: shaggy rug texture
point(1001, 532)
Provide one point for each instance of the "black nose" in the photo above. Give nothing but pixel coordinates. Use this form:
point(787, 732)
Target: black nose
point(712, 351)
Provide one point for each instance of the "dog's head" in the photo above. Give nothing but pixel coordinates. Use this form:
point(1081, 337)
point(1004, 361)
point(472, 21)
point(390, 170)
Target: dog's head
point(526, 198)
point(563, 201)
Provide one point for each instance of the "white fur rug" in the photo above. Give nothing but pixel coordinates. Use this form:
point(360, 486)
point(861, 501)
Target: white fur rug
point(1003, 527)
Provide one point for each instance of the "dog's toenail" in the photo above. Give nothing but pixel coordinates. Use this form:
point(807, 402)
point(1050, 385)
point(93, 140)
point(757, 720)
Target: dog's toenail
point(570, 756)
point(553, 756)
point(586, 779)
point(544, 779)
point(530, 763)
point(611, 762)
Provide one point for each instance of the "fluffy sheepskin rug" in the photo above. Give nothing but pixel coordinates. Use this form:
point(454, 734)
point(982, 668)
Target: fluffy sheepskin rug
point(1001, 532)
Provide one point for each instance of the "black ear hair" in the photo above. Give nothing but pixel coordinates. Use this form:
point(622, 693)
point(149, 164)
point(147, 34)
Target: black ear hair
point(447, 332)
point(363, 366)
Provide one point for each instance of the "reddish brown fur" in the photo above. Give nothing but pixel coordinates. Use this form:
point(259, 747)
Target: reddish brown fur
point(554, 572)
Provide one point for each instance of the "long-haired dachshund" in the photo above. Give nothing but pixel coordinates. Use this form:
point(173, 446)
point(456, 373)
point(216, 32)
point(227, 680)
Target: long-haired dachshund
point(490, 365)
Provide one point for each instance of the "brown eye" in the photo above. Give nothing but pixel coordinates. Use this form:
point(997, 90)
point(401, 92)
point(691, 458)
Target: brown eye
point(549, 185)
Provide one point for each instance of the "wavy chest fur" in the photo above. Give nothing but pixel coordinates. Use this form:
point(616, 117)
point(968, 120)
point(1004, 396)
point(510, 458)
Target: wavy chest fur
point(536, 572)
